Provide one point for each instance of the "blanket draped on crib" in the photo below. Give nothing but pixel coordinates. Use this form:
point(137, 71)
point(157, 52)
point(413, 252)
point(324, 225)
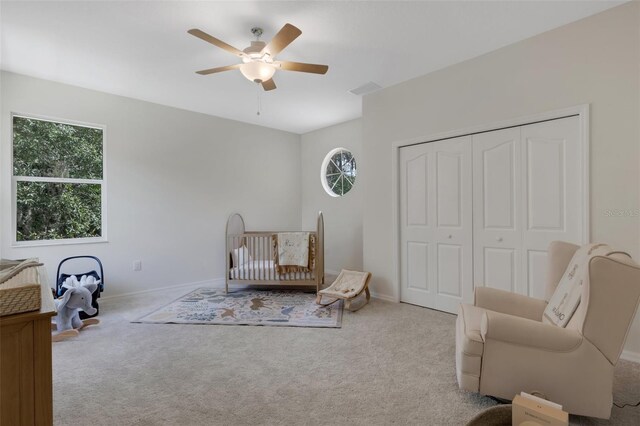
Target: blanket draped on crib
point(285, 254)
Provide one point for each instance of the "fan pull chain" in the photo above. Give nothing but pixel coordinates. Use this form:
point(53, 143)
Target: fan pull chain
point(258, 99)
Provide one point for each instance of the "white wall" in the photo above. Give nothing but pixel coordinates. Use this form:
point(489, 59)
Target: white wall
point(342, 215)
point(592, 61)
point(173, 177)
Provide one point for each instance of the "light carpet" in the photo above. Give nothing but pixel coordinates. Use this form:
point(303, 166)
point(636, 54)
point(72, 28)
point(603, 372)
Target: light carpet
point(247, 307)
point(389, 364)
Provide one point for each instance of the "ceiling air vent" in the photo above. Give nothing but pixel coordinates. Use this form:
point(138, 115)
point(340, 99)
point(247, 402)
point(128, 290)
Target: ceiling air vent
point(366, 88)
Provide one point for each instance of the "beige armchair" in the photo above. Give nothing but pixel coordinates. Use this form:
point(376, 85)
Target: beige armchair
point(503, 347)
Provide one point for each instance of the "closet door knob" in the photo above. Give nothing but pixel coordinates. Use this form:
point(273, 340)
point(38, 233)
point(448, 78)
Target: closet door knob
point(450, 236)
point(499, 239)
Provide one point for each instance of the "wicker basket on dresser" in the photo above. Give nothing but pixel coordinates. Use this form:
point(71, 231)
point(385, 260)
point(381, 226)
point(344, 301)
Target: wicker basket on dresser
point(19, 286)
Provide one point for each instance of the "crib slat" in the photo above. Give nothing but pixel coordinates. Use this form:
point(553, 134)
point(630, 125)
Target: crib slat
point(266, 257)
point(253, 247)
point(259, 260)
point(244, 266)
point(270, 261)
point(241, 268)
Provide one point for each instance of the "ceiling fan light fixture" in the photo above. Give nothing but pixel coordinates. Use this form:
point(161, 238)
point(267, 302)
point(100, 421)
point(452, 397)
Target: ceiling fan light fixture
point(259, 64)
point(257, 71)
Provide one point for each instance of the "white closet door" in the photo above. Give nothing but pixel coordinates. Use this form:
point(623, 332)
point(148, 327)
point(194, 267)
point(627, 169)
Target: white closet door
point(497, 210)
point(527, 192)
point(552, 189)
point(436, 224)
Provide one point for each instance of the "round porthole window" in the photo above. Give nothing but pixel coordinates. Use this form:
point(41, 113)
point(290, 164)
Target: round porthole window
point(338, 174)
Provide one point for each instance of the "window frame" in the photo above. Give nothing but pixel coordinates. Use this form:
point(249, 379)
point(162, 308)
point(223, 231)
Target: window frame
point(323, 172)
point(15, 179)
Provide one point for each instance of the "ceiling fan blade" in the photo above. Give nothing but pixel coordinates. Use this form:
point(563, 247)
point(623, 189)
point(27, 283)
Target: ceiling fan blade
point(302, 67)
point(268, 85)
point(285, 36)
point(219, 43)
point(218, 69)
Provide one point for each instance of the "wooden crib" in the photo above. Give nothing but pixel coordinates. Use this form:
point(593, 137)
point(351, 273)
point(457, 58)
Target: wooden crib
point(261, 267)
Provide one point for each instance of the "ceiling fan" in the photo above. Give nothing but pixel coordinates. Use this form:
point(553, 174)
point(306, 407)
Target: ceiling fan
point(258, 60)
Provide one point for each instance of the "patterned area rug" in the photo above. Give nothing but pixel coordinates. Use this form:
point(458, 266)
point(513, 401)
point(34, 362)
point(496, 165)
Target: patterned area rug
point(247, 307)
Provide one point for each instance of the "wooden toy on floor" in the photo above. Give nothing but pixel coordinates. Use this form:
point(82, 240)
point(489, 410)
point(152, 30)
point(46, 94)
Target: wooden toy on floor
point(63, 335)
point(75, 299)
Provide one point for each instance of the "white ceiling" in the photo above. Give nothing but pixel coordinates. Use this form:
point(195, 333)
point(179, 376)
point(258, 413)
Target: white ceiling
point(142, 49)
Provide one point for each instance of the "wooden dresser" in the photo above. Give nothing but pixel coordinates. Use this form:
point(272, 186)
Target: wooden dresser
point(26, 391)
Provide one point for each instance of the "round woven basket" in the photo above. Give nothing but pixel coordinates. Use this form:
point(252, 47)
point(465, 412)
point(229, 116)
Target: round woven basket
point(499, 415)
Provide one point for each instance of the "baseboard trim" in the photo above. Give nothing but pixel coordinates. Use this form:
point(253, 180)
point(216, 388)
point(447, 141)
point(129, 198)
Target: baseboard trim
point(384, 297)
point(631, 356)
point(216, 282)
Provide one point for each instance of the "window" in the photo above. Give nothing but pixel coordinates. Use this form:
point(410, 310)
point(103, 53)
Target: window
point(338, 174)
point(58, 181)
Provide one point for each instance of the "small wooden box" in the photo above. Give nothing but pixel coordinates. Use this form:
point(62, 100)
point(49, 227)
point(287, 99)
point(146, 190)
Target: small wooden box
point(528, 412)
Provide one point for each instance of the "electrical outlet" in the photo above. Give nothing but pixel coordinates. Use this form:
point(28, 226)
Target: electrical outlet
point(137, 265)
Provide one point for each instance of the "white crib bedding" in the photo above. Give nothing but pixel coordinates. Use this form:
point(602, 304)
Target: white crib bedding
point(264, 270)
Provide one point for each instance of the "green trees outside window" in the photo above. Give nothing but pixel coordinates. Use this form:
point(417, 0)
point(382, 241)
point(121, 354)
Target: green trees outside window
point(338, 172)
point(58, 177)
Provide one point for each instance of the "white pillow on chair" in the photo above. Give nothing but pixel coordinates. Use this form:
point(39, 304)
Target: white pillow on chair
point(240, 256)
point(566, 298)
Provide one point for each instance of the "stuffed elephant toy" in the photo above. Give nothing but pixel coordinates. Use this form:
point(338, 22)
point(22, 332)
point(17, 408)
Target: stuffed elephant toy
point(71, 303)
